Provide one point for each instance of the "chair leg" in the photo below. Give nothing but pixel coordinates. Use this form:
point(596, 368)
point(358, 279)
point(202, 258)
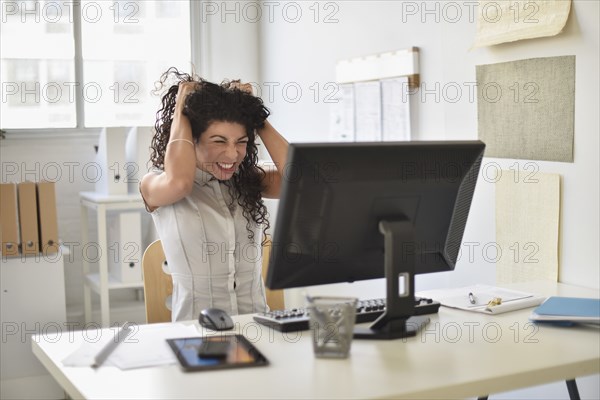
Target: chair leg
point(573, 391)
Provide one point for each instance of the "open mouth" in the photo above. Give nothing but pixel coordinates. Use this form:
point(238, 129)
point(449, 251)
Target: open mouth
point(226, 167)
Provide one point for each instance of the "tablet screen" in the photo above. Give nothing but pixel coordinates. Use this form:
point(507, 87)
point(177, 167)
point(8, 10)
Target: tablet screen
point(216, 352)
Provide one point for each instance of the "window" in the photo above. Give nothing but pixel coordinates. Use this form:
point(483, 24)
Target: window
point(37, 65)
point(125, 46)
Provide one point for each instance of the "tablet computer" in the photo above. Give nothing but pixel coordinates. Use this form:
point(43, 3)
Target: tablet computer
point(216, 352)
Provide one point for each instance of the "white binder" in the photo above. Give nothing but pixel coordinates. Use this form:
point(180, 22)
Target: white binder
point(125, 246)
point(110, 162)
point(137, 156)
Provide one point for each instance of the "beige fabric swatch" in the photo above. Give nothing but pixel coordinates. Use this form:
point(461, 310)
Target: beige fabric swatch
point(500, 21)
point(526, 108)
point(527, 225)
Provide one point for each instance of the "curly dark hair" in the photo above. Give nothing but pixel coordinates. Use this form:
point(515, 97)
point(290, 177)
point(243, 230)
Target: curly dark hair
point(210, 103)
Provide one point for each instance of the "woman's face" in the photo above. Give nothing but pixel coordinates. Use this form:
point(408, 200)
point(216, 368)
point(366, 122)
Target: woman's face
point(221, 149)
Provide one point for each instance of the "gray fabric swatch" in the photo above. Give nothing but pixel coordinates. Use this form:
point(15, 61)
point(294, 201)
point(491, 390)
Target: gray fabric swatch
point(525, 108)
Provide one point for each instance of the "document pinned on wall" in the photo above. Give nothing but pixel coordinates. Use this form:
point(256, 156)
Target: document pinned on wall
point(395, 109)
point(509, 21)
point(373, 100)
point(367, 96)
point(342, 114)
point(526, 108)
point(527, 226)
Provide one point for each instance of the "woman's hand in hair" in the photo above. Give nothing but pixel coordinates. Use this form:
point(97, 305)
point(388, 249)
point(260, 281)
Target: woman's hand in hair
point(184, 89)
point(177, 179)
point(244, 87)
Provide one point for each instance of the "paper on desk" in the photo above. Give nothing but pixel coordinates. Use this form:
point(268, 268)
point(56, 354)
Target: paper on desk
point(514, 305)
point(459, 298)
point(146, 346)
point(93, 343)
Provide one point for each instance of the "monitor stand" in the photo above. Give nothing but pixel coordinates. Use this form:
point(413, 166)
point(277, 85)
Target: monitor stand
point(398, 320)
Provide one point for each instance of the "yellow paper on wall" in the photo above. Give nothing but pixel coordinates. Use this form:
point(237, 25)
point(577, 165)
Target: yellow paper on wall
point(507, 21)
point(527, 226)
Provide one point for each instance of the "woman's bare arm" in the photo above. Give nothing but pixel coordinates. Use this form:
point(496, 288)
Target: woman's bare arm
point(277, 147)
point(177, 179)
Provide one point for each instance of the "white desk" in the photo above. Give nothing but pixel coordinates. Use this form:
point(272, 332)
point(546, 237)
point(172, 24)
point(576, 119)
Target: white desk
point(460, 354)
point(101, 282)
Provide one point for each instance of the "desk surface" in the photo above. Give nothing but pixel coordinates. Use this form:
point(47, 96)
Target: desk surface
point(460, 354)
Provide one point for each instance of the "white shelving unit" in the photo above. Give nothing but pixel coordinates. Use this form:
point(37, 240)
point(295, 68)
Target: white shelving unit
point(102, 282)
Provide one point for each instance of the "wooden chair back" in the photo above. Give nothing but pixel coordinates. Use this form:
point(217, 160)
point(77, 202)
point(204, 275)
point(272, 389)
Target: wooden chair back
point(158, 285)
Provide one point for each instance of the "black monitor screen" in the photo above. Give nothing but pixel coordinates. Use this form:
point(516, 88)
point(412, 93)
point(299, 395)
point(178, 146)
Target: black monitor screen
point(335, 195)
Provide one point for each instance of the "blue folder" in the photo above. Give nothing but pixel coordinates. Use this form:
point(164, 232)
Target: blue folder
point(575, 309)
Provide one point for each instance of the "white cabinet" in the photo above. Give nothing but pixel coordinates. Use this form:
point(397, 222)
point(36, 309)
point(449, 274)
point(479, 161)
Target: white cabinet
point(105, 252)
point(33, 301)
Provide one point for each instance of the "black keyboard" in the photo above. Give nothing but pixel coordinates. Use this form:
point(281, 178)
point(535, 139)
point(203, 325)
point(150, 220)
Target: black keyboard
point(296, 319)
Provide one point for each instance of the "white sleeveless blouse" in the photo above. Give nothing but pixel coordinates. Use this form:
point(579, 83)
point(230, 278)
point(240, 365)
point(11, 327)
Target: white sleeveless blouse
point(211, 258)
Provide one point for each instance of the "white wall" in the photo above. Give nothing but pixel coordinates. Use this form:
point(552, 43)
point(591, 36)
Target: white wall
point(230, 45)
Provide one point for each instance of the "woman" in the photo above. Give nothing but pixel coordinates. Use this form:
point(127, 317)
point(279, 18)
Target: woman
point(205, 193)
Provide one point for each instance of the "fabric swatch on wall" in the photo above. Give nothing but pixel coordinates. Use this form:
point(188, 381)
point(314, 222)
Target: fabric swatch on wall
point(526, 108)
point(527, 226)
point(508, 21)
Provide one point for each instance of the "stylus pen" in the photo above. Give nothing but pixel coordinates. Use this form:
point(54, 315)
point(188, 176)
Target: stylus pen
point(111, 345)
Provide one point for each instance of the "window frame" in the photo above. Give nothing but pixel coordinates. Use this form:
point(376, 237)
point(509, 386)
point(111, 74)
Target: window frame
point(198, 32)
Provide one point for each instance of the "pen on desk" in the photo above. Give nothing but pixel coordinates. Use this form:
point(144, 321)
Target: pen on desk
point(111, 345)
point(472, 298)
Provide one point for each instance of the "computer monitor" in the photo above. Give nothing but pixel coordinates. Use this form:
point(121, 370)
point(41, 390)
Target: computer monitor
point(357, 211)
